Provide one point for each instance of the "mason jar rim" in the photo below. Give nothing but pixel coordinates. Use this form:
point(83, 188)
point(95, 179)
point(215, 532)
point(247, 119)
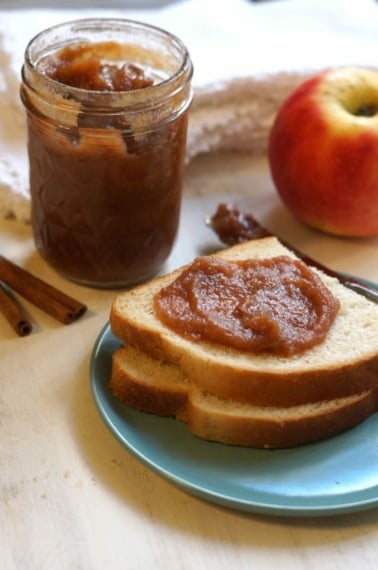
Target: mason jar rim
point(184, 70)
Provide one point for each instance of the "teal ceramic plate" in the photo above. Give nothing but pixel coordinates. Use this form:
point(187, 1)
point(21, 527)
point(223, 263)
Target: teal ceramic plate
point(335, 476)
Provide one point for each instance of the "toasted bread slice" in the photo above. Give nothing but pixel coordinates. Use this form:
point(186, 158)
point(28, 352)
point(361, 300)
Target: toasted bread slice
point(157, 387)
point(345, 364)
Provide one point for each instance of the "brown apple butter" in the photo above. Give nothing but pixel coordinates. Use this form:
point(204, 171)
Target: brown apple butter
point(276, 305)
point(87, 66)
point(107, 106)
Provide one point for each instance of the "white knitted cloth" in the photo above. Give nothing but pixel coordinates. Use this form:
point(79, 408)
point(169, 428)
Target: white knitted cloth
point(247, 57)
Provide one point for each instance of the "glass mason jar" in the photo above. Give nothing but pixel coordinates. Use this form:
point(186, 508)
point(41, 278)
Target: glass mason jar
point(106, 164)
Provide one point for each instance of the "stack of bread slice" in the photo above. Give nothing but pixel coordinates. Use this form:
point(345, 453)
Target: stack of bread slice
point(240, 398)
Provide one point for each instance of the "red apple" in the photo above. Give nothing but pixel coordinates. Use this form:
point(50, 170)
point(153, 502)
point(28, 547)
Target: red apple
point(323, 152)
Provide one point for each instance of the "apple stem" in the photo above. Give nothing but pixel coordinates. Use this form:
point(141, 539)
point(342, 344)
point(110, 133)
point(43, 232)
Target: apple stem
point(366, 110)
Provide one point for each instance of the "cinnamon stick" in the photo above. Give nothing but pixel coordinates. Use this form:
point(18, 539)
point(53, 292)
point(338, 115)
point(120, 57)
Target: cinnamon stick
point(13, 313)
point(48, 298)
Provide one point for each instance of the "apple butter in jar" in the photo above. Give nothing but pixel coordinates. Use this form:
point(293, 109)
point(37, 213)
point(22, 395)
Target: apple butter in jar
point(107, 109)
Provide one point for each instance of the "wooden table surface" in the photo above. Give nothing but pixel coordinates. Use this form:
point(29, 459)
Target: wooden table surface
point(71, 497)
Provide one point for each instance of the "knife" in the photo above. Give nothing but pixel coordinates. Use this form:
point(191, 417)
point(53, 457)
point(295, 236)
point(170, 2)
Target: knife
point(233, 226)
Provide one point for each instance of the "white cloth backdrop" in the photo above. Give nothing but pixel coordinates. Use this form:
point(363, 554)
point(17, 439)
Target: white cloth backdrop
point(247, 57)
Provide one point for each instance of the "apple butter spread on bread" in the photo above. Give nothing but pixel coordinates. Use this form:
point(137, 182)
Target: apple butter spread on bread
point(239, 396)
point(276, 305)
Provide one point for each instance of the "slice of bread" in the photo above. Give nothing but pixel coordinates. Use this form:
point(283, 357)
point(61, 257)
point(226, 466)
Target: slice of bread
point(159, 387)
point(344, 365)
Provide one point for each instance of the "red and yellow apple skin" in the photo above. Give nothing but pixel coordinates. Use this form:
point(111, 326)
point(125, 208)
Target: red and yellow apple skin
point(323, 152)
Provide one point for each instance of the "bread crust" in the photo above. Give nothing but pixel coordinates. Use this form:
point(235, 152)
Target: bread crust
point(152, 386)
point(281, 432)
point(157, 389)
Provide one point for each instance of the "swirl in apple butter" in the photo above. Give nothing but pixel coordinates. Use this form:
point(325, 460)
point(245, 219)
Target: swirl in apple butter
point(87, 66)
